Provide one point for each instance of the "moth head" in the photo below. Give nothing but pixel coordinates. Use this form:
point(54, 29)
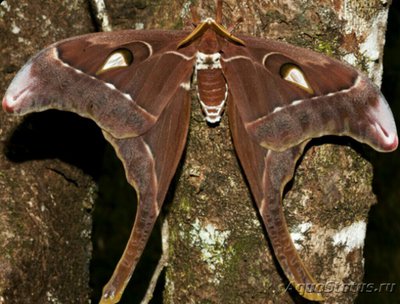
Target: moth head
point(293, 74)
point(120, 58)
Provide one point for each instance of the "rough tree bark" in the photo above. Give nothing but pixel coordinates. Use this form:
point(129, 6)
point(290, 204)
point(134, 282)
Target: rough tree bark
point(219, 252)
point(46, 193)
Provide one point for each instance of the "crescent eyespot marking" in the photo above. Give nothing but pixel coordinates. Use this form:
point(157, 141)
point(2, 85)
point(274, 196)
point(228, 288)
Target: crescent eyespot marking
point(78, 71)
point(293, 74)
point(120, 58)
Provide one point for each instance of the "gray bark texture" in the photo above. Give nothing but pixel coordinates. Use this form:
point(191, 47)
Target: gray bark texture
point(45, 198)
point(218, 249)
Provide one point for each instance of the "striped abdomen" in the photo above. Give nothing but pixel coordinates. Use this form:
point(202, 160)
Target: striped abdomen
point(212, 89)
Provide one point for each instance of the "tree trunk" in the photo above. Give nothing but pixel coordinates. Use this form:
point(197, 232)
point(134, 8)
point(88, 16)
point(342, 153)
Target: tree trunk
point(46, 161)
point(219, 251)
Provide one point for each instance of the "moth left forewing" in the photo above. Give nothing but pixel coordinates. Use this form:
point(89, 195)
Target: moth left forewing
point(121, 80)
point(152, 68)
point(297, 94)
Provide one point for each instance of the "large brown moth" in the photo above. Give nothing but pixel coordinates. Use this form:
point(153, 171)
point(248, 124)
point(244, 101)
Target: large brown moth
point(277, 96)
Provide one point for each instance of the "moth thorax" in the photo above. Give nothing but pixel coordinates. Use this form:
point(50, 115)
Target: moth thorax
point(212, 89)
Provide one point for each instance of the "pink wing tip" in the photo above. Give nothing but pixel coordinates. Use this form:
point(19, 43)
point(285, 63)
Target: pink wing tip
point(6, 106)
point(391, 143)
point(20, 90)
point(395, 144)
point(384, 125)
